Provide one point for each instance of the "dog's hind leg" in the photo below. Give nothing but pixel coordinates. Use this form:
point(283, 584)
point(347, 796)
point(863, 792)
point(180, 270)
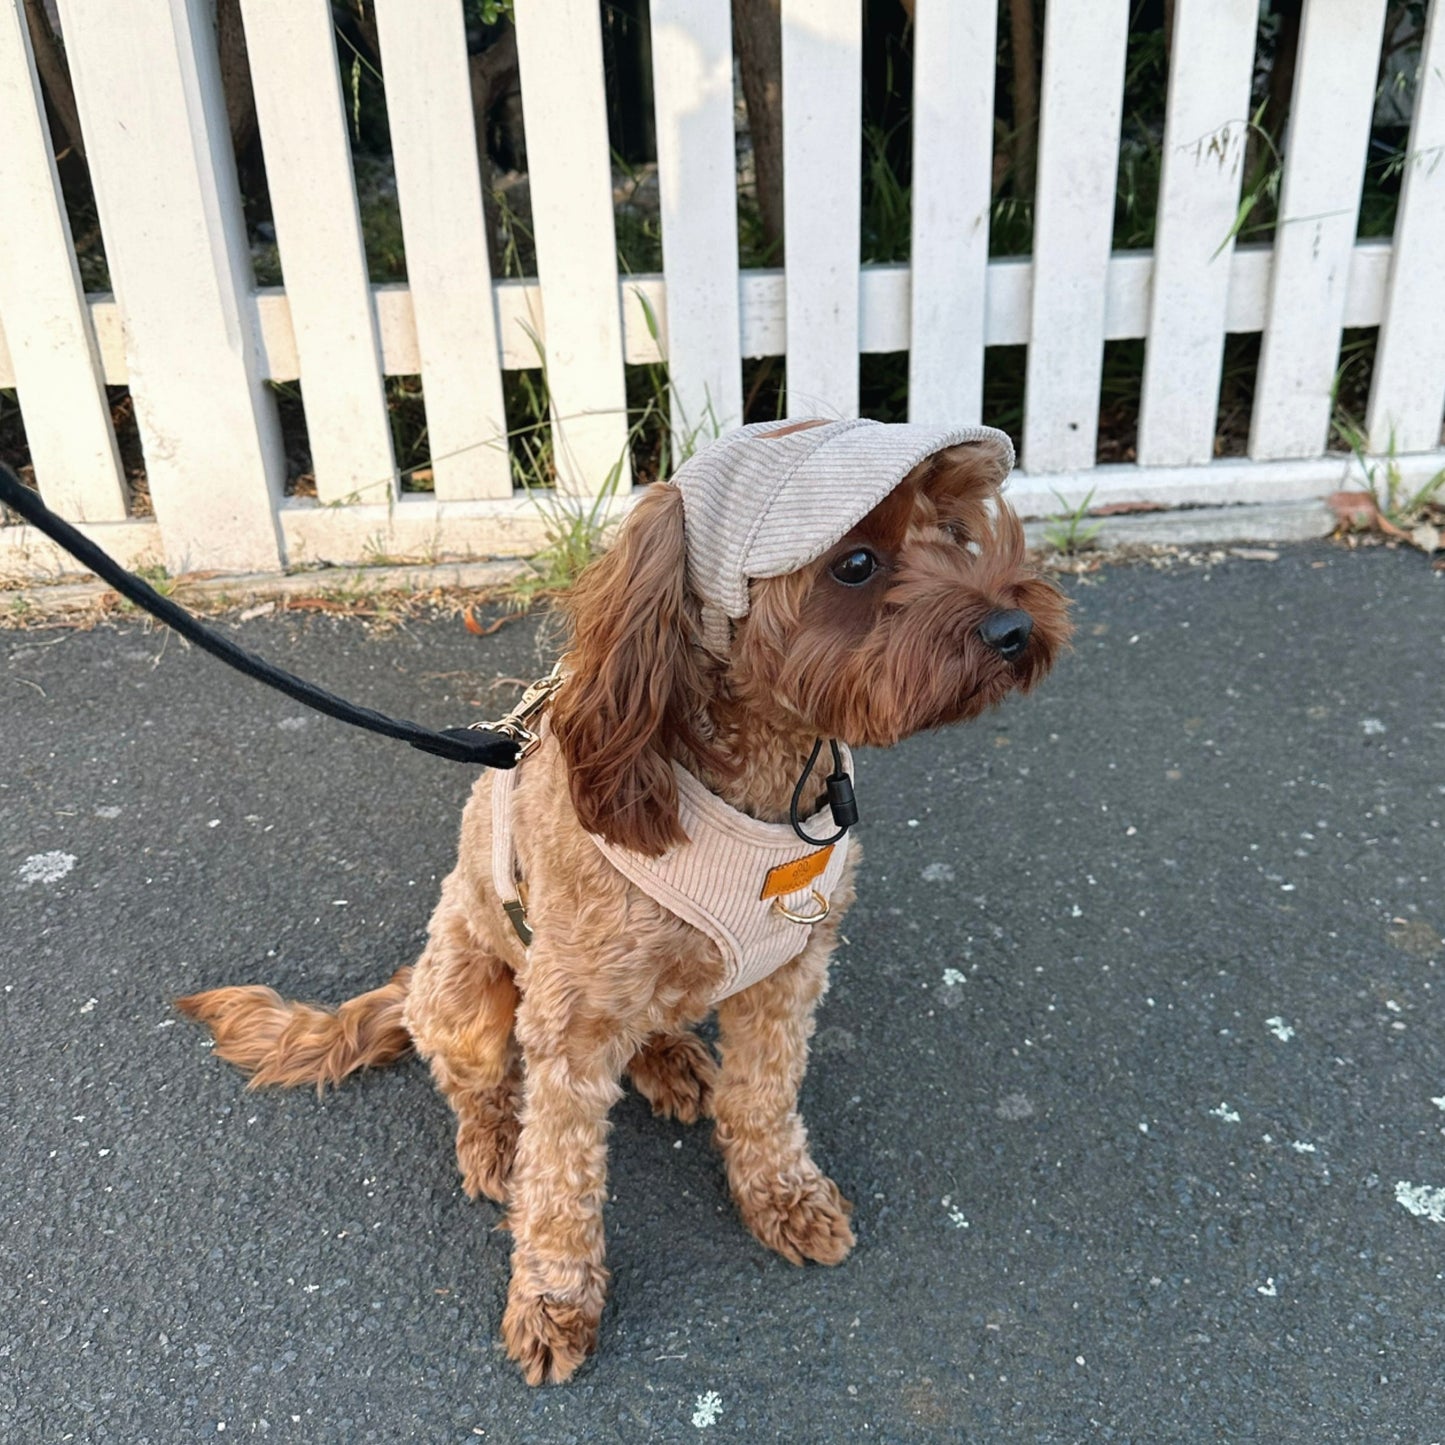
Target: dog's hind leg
point(293, 1043)
point(676, 1074)
point(784, 1198)
point(460, 1015)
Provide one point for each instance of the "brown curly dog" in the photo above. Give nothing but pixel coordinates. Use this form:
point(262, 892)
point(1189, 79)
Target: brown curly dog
point(922, 613)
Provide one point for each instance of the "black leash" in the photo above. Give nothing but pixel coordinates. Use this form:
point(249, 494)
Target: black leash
point(459, 745)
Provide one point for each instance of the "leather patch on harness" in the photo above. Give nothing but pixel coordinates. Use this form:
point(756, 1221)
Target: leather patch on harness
point(793, 877)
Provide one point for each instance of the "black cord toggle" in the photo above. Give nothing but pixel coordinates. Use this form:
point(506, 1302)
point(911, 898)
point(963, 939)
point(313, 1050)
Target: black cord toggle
point(841, 801)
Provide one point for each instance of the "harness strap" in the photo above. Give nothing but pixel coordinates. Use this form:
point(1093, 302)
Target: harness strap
point(504, 858)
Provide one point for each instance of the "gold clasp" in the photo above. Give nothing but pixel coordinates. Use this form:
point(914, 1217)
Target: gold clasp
point(824, 909)
point(514, 723)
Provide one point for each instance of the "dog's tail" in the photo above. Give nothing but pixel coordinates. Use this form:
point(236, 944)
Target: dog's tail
point(295, 1043)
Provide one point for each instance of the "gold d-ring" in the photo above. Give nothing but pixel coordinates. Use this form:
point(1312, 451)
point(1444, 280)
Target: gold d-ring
point(824, 909)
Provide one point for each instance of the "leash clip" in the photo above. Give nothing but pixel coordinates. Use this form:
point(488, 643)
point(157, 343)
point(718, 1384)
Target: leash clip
point(514, 724)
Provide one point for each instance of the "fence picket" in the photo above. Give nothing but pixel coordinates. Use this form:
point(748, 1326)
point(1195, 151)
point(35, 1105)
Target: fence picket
point(438, 182)
point(54, 356)
point(302, 119)
point(822, 193)
point(1205, 130)
point(559, 48)
point(1329, 131)
point(1083, 93)
point(149, 93)
point(692, 81)
point(953, 70)
point(1407, 393)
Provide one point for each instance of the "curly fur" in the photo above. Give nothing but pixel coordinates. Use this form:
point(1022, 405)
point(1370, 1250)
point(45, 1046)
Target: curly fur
point(530, 1047)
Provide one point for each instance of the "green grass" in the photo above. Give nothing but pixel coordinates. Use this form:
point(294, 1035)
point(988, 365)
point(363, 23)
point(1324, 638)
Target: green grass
point(1067, 532)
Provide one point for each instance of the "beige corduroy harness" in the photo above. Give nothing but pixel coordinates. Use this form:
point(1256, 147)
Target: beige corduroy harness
point(736, 879)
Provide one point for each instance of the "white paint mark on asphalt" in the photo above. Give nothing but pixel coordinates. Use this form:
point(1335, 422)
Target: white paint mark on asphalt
point(955, 1214)
point(707, 1409)
point(938, 873)
point(1281, 1030)
point(109, 811)
point(1267, 1289)
point(89, 1005)
point(1226, 1113)
point(47, 867)
point(1440, 1102)
point(1300, 1146)
point(1014, 1107)
point(952, 977)
point(1373, 727)
point(1421, 1200)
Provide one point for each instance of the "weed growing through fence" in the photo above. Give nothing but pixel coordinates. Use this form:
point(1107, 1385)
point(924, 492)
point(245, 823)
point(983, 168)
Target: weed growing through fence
point(516, 245)
point(636, 219)
point(576, 529)
point(1067, 532)
point(685, 433)
point(887, 221)
point(160, 580)
point(1391, 506)
point(1260, 190)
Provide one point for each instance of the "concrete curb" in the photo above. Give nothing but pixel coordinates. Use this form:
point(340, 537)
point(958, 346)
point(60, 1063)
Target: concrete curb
point(1186, 527)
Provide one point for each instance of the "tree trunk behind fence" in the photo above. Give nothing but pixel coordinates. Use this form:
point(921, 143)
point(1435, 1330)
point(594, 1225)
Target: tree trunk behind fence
point(758, 40)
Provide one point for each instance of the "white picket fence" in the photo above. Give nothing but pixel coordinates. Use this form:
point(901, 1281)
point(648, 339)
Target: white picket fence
point(195, 340)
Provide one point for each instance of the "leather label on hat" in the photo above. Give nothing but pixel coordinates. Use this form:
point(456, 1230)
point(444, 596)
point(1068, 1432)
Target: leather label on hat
point(793, 877)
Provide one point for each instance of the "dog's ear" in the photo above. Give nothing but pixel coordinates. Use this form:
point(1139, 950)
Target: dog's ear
point(635, 681)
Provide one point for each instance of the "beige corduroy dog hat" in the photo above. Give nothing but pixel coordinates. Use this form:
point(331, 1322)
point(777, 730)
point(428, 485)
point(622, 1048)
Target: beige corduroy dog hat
point(765, 500)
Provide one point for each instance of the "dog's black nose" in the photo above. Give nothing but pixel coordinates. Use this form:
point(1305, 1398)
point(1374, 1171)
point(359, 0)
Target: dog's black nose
point(1007, 633)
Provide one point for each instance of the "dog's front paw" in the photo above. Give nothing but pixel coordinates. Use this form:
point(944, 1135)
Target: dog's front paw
point(675, 1073)
point(547, 1336)
point(800, 1213)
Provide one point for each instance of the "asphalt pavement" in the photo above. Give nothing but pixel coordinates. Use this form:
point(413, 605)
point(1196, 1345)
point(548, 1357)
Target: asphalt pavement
point(1133, 1062)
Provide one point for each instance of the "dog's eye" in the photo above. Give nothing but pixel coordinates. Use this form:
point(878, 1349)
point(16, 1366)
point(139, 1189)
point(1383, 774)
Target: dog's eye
point(853, 569)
